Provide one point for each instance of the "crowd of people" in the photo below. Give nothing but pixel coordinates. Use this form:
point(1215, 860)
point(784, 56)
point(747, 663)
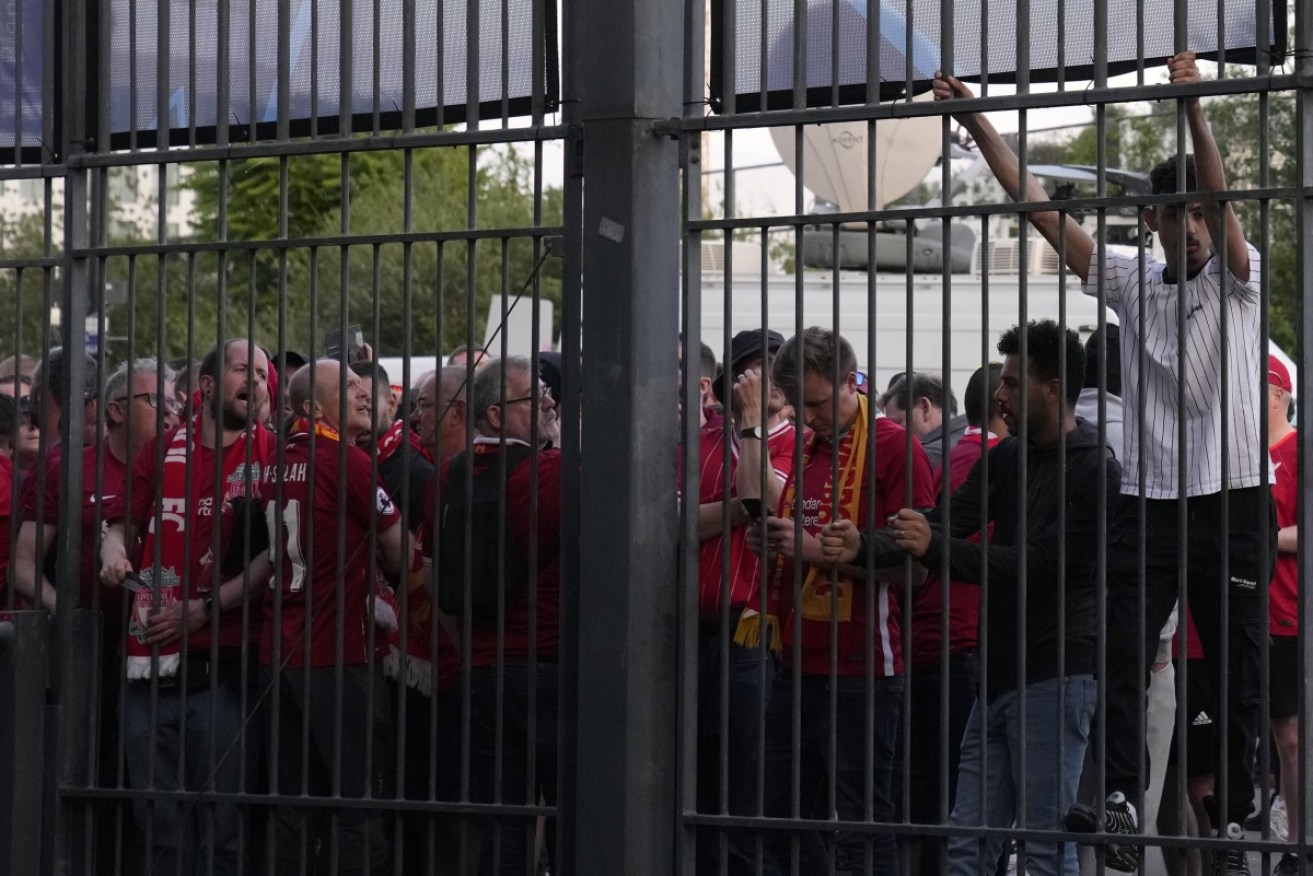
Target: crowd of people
point(314, 583)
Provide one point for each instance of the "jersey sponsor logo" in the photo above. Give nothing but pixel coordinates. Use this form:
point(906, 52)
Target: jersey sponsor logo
point(1201, 720)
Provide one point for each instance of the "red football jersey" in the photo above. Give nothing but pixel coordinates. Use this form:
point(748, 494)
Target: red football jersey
point(893, 471)
point(1283, 597)
point(484, 633)
point(144, 490)
point(97, 501)
point(745, 566)
point(7, 531)
point(306, 547)
point(963, 596)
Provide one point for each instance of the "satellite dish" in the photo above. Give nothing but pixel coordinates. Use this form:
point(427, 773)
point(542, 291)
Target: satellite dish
point(835, 158)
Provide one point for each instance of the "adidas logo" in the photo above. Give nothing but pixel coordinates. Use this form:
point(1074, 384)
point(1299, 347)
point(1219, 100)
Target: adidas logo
point(1201, 720)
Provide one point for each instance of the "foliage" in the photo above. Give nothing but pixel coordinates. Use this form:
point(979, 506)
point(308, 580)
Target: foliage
point(414, 294)
point(27, 294)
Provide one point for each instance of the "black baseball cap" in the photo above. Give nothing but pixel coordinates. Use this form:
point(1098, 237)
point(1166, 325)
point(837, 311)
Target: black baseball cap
point(751, 342)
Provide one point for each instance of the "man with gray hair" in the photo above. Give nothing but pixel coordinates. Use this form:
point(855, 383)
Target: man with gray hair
point(505, 494)
point(441, 413)
point(139, 405)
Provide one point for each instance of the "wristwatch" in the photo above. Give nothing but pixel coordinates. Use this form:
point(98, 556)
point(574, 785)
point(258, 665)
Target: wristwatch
point(757, 432)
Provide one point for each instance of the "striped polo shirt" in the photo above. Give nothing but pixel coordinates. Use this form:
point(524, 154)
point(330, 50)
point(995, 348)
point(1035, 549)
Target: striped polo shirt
point(1203, 403)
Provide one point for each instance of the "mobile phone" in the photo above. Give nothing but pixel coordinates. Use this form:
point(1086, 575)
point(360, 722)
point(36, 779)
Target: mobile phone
point(756, 508)
point(132, 581)
point(352, 351)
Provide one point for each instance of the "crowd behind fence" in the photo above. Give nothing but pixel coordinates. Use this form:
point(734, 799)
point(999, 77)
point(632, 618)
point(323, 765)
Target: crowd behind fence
point(271, 606)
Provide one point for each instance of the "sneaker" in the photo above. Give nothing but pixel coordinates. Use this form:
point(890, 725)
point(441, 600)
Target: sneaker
point(1280, 820)
point(1288, 865)
point(1118, 818)
point(1230, 862)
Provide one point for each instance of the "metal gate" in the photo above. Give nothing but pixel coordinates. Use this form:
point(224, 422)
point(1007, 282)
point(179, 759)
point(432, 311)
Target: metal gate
point(593, 203)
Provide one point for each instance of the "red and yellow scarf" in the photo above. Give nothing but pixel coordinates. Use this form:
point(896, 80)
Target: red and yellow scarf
point(819, 602)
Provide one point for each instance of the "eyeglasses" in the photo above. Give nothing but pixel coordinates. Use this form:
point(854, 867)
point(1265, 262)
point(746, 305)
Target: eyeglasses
point(153, 399)
point(527, 398)
point(422, 404)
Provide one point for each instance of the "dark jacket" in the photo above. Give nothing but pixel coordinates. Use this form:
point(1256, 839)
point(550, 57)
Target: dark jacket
point(1055, 522)
point(934, 445)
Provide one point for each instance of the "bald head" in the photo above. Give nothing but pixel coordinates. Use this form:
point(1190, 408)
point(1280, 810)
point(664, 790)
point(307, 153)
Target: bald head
point(316, 392)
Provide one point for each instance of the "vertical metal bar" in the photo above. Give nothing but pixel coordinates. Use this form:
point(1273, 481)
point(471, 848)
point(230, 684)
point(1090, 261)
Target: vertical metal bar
point(77, 103)
point(1304, 274)
point(627, 629)
point(473, 92)
point(345, 69)
point(690, 400)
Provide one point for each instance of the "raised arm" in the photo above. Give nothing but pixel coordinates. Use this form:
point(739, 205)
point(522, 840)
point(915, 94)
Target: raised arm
point(1209, 173)
point(1007, 168)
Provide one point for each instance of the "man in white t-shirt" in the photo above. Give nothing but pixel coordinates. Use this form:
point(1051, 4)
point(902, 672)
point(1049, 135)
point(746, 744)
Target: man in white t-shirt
point(1207, 329)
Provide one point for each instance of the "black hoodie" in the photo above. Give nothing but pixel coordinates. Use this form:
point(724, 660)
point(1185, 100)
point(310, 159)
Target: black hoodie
point(1049, 529)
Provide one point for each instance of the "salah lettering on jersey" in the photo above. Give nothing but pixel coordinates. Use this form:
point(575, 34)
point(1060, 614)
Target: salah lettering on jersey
point(294, 471)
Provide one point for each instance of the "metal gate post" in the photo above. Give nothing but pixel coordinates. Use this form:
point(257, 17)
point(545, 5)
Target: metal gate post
point(628, 77)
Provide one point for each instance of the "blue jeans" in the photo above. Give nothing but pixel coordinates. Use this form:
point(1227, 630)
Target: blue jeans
point(749, 683)
point(155, 758)
point(847, 763)
point(993, 764)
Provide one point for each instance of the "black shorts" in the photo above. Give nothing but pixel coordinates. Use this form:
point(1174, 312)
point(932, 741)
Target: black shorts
point(1283, 677)
point(1199, 722)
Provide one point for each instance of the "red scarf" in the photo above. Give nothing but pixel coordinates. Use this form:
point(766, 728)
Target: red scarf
point(414, 667)
point(173, 535)
point(392, 440)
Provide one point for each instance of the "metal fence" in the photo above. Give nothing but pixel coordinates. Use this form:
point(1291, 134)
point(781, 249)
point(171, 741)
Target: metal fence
point(570, 661)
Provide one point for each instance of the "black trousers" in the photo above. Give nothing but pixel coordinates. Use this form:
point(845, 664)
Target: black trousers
point(309, 724)
point(1212, 585)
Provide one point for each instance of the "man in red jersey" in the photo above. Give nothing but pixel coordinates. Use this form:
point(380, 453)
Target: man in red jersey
point(186, 522)
point(869, 657)
point(746, 457)
point(431, 663)
point(984, 427)
point(504, 599)
point(1283, 597)
point(8, 428)
point(135, 412)
point(328, 515)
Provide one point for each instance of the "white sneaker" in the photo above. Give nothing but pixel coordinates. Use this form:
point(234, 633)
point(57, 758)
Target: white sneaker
point(1278, 820)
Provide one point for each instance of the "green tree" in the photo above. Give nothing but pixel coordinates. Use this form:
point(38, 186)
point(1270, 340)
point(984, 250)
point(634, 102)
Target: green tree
point(364, 193)
point(29, 293)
